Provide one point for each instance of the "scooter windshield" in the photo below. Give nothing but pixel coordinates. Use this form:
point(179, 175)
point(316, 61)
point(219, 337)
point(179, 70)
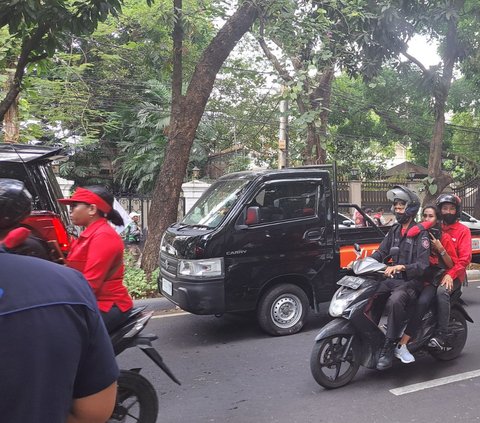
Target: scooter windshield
point(367, 265)
point(215, 203)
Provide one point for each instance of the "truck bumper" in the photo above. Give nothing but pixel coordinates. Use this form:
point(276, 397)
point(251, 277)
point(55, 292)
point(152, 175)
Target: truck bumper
point(197, 297)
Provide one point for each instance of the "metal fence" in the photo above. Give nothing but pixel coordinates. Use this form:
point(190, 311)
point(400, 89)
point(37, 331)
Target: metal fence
point(468, 192)
point(140, 203)
point(374, 193)
point(343, 191)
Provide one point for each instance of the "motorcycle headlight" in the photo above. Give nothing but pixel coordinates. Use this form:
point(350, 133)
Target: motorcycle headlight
point(201, 269)
point(342, 299)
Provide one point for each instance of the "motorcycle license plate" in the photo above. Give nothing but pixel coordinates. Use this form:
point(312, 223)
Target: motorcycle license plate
point(166, 286)
point(352, 282)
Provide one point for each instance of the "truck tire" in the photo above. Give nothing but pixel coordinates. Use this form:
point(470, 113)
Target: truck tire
point(283, 309)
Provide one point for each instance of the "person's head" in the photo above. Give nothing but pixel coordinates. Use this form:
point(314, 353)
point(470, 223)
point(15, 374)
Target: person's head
point(368, 211)
point(430, 214)
point(134, 216)
point(405, 203)
point(450, 207)
point(15, 204)
point(380, 210)
point(89, 204)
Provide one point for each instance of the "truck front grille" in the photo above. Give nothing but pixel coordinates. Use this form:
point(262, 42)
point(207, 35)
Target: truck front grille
point(168, 264)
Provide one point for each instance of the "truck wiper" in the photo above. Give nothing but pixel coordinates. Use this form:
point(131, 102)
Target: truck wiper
point(192, 225)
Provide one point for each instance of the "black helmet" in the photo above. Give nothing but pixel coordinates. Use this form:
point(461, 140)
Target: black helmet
point(412, 202)
point(15, 202)
point(452, 199)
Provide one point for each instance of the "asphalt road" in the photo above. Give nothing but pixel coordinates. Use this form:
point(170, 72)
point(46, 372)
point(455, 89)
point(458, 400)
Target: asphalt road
point(232, 372)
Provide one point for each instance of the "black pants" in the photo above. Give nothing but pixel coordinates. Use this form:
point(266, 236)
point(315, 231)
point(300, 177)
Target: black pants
point(114, 318)
point(396, 294)
point(423, 303)
point(443, 305)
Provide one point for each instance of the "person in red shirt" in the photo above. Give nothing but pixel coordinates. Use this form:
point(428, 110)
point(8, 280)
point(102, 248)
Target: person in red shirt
point(450, 207)
point(98, 252)
point(442, 257)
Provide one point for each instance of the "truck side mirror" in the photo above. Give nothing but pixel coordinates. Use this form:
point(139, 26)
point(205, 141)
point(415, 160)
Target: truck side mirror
point(253, 215)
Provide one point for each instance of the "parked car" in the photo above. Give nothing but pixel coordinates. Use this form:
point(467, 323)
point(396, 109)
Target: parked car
point(49, 220)
point(469, 221)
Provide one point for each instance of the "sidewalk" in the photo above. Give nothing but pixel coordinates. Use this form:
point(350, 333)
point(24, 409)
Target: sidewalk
point(473, 275)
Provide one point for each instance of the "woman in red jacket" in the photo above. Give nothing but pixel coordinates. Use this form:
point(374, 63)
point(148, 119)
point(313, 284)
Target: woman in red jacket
point(442, 258)
point(98, 251)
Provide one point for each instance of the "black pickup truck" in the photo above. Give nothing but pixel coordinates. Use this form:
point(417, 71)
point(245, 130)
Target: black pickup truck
point(268, 241)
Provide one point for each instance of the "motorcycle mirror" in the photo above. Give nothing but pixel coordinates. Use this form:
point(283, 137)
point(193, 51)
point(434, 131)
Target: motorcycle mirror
point(358, 250)
point(394, 251)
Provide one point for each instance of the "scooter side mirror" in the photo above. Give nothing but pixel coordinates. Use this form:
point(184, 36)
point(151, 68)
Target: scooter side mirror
point(394, 251)
point(358, 250)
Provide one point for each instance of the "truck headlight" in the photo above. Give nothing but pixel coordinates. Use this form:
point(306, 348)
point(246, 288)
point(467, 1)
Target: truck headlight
point(204, 269)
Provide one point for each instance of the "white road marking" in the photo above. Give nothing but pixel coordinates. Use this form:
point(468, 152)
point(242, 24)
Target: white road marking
point(436, 382)
point(181, 313)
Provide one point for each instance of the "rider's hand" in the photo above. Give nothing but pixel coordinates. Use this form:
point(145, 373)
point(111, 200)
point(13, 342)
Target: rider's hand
point(436, 244)
point(391, 270)
point(447, 281)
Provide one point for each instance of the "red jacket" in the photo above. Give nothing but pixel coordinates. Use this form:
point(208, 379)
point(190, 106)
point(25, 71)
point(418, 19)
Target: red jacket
point(462, 240)
point(98, 254)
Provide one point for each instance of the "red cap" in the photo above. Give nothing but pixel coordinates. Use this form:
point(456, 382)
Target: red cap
point(82, 195)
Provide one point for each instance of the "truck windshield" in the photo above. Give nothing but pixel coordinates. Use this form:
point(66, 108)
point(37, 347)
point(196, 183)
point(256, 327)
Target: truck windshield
point(215, 203)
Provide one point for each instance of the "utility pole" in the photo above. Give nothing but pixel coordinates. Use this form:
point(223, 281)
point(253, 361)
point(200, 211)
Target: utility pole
point(283, 137)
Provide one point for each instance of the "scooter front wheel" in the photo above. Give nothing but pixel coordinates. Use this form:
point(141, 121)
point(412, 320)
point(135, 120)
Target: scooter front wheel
point(335, 360)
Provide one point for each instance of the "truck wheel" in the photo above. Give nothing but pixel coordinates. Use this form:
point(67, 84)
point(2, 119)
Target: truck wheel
point(282, 310)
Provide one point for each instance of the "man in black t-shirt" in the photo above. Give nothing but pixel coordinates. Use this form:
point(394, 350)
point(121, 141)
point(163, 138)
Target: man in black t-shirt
point(56, 359)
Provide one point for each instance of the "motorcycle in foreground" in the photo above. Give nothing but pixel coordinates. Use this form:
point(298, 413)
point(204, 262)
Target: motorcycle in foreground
point(137, 399)
point(353, 338)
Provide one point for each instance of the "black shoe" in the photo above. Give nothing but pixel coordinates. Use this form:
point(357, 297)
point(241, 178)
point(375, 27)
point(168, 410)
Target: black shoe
point(438, 341)
point(386, 354)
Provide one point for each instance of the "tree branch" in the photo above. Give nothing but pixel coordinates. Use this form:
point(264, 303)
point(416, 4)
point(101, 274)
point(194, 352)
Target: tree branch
point(28, 46)
point(273, 59)
point(416, 61)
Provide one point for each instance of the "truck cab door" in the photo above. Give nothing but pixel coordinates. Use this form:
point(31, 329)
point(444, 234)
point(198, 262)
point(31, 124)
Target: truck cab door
point(285, 231)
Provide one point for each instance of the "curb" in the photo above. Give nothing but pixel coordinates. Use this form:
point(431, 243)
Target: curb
point(473, 275)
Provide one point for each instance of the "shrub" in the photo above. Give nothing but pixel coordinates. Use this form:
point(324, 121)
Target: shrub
point(136, 280)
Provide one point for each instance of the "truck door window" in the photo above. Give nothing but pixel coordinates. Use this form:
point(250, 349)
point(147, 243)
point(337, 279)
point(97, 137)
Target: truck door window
point(286, 200)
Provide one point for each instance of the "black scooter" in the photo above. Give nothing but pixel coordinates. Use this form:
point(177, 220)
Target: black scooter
point(137, 399)
point(353, 338)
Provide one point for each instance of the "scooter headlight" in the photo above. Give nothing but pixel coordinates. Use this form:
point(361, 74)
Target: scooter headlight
point(342, 299)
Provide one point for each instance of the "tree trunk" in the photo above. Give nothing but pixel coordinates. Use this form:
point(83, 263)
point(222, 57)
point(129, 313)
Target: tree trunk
point(326, 90)
point(10, 120)
point(186, 114)
point(450, 56)
point(476, 207)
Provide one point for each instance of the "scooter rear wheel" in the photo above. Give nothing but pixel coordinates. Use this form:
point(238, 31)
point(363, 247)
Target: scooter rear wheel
point(457, 329)
point(329, 368)
point(137, 399)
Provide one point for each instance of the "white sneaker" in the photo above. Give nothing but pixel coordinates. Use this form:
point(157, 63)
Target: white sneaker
point(402, 353)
